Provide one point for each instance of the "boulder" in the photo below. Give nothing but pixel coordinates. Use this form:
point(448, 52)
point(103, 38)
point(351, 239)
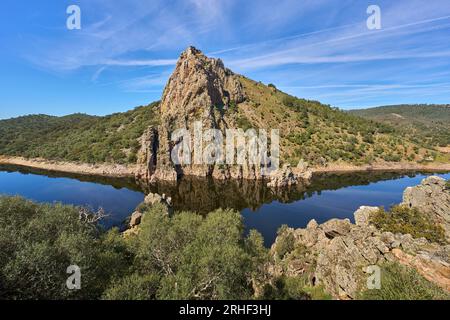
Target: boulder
point(362, 215)
point(431, 198)
point(283, 177)
point(336, 227)
point(136, 218)
point(153, 198)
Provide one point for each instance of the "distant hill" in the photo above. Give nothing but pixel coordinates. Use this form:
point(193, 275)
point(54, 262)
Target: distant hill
point(424, 124)
point(77, 137)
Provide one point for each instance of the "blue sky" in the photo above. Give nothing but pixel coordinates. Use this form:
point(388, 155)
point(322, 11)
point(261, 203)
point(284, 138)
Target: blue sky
point(126, 50)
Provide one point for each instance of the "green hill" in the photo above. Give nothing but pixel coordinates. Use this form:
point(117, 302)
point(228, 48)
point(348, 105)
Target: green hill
point(428, 125)
point(77, 137)
point(319, 133)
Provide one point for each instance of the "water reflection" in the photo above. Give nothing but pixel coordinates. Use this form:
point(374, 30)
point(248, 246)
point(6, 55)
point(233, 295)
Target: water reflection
point(331, 195)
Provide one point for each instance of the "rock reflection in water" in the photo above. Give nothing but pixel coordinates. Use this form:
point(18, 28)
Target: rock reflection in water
point(206, 195)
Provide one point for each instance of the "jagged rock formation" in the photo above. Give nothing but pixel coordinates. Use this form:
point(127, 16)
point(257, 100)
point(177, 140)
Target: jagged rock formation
point(338, 253)
point(200, 90)
point(146, 156)
point(433, 199)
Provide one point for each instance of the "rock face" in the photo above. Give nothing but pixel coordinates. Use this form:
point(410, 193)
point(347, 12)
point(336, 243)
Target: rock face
point(200, 91)
point(340, 252)
point(433, 199)
point(147, 155)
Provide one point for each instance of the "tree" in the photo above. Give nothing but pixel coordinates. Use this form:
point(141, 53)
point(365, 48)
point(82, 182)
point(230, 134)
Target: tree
point(38, 242)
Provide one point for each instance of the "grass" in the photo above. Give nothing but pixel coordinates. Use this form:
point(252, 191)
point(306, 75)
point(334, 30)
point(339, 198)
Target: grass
point(401, 283)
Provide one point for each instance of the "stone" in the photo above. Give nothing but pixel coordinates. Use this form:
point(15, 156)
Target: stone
point(434, 270)
point(312, 224)
point(302, 165)
point(283, 177)
point(336, 227)
point(362, 215)
point(197, 91)
point(153, 198)
point(431, 198)
point(135, 219)
point(339, 252)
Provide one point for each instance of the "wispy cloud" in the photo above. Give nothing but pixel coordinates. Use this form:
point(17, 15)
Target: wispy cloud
point(319, 49)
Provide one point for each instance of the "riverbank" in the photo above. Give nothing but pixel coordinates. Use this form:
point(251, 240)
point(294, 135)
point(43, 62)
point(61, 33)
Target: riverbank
point(401, 166)
point(129, 171)
point(103, 170)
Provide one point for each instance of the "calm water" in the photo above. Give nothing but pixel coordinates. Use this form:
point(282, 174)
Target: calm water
point(328, 196)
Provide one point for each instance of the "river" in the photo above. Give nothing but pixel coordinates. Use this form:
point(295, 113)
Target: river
point(328, 196)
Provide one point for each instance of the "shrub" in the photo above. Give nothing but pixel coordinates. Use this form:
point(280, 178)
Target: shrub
point(285, 242)
point(401, 283)
point(402, 219)
point(38, 242)
point(197, 257)
point(294, 288)
point(133, 287)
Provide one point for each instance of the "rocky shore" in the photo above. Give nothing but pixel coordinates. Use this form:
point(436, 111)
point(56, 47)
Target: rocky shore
point(338, 253)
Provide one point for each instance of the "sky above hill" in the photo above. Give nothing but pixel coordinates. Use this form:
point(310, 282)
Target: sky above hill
point(314, 49)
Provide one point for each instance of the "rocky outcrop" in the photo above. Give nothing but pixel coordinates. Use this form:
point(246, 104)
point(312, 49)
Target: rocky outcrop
point(282, 178)
point(201, 92)
point(154, 198)
point(147, 154)
point(362, 215)
point(338, 254)
point(431, 198)
point(135, 219)
point(150, 200)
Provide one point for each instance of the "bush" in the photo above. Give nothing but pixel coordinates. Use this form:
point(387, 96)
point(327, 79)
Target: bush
point(197, 257)
point(133, 287)
point(285, 242)
point(402, 219)
point(401, 283)
point(293, 288)
point(38, 242)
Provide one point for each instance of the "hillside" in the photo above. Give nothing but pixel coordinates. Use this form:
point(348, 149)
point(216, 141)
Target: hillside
point(77, 137)
point(424, 124)
point(202, 89)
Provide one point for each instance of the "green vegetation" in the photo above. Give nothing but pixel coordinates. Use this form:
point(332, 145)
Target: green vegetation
point(447, 184)
point(401, 283)
point(78, 137)
point(294, 288)
point(38, 242)
point(426, 125)
point(317, 133)
point(185, 256)
point(402, 219)
point(285, 242)
point(194, 257)
point(321, 134)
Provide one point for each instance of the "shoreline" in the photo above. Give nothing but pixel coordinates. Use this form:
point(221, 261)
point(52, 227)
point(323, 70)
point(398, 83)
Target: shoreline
point(103, 170)
point(129, 171)
point(383, 167)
